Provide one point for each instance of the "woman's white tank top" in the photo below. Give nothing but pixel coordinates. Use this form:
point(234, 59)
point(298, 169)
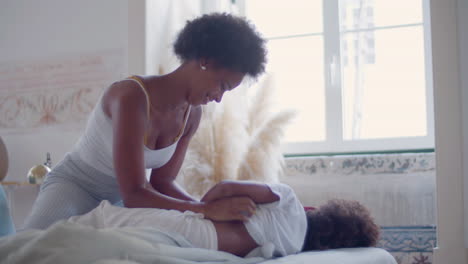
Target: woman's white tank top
point(95, 145)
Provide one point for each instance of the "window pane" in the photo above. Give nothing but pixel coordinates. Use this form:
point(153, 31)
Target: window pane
point(297, 65)
point(283, 18)
point(384, 92)
point(359, 14)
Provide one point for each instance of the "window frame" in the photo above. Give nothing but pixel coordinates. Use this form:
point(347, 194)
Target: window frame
point(334, 142)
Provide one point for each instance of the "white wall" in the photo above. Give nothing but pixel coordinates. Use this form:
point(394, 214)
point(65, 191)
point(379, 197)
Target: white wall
point(463, 46)
point(447, 22)
point(36, 35)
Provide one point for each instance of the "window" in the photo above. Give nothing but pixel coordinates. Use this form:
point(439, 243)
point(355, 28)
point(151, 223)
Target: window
point(358, 72)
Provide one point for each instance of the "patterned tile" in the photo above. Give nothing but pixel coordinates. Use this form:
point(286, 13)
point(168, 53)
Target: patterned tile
point(362, 164)
point(412, 258)
point(409, 244)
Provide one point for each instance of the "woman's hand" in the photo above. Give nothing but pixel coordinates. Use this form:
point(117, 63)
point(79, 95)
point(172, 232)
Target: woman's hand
point(231, 208)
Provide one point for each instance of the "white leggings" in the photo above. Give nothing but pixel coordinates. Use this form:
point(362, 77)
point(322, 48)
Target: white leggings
point(71, 188)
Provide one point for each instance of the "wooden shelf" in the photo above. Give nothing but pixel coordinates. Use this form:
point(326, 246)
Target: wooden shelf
point(17, 183)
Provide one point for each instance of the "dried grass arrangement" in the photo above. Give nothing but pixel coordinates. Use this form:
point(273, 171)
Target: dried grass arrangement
point(237, 139)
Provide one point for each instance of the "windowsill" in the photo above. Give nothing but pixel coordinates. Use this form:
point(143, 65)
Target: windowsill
point(381, 152)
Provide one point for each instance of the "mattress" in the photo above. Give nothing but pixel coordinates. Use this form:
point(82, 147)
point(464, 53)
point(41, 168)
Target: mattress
point(339, 256)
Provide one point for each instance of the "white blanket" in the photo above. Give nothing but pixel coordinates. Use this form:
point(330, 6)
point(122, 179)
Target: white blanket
point(73, 243)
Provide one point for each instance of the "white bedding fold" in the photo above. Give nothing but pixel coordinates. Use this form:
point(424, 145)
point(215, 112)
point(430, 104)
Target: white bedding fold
point(73, 243)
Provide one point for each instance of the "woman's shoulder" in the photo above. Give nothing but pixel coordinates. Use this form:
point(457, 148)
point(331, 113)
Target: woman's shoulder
point(123, 92)
point(124, 87)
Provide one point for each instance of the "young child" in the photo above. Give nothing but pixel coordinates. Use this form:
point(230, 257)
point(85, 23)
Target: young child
point(275, 225)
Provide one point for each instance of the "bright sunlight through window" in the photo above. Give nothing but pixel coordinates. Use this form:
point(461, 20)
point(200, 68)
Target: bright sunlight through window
point(357, 72)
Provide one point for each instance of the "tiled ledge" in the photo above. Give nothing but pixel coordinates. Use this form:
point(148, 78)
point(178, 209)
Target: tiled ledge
point(408, 238)
point(409, 244)
point(362, 164)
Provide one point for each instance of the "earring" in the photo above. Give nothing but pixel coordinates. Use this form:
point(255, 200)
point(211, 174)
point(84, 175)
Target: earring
point(203, 67)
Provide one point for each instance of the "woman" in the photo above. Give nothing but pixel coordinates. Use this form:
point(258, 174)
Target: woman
point(147, 122)
point(278, 227)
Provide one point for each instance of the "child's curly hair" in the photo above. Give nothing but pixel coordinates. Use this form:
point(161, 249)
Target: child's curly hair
point(230, 41)
point(340, 224)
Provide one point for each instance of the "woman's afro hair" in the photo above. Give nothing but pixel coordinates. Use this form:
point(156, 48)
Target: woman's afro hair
point(230, 41)
point(340, 224)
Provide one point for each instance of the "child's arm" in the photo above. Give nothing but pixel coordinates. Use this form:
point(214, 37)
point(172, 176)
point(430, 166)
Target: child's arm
point(258, 192)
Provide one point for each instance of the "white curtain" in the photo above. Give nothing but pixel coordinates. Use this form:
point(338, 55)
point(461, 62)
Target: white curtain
point(357, 51)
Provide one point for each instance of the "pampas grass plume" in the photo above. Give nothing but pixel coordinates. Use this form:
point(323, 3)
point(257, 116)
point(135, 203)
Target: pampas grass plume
point(236, 139)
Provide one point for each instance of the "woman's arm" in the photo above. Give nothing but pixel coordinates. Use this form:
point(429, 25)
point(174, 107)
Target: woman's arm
point(258, 192)
point(129, 121)
point(129, 124)
point(163, 179)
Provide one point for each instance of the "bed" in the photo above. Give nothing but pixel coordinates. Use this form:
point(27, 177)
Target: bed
point(66, 242)
point(69, 242)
